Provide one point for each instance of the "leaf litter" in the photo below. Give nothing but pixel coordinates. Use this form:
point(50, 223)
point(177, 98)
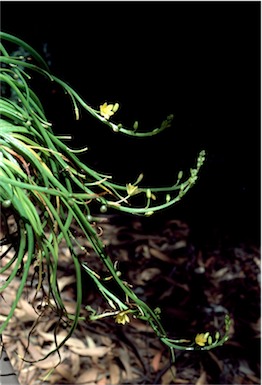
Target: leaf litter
point(193, 288)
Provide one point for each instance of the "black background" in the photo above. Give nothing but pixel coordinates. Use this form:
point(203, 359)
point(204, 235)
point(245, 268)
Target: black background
point(197, 60)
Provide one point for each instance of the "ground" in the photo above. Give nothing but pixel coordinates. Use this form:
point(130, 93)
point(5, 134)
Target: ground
point(194, 288)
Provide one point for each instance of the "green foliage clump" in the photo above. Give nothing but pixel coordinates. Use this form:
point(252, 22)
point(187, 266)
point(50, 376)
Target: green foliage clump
point(46, 187)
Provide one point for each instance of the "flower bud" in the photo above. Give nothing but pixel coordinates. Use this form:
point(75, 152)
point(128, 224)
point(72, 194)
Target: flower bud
point(103, 209)
point(148, 213)
point(115, 107)
point(180, 174)
point(148, 193)
point(6, 203)
point(116, 128)
point(89, 218)
point(135, 125)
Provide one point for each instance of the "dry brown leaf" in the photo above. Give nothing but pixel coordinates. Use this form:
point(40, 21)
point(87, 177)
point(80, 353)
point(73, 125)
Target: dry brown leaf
point(253, 378)
point(159, 255)
point(106, 340)
point(37, 353)
point(220, 273)
point(75, 361)
point(65, 371)
point(92, 345)
point(90, 342)
point(65, 281)
point(156, 361)
point(181, 381)
point(27, 375)
point(71, 342)
point(48, 363)
point(53, 379)
point(32, 380)
point(20, 348)
point(179, 245)
point(202, 380)
point(98, 351)
point(103, 381)
point(25, 312)
point(257, 262)
point(114, 374)
point(70, 306)
point(5, 307)
point(168, 377)
point(88, 376)
point(47, 325)
point(141, 326)
point(125, 359)
point(148, 275)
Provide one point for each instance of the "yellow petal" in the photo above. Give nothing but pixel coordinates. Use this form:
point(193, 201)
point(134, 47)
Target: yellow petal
point(106, 110)
point(122, 318)
point(131, 189)
point(201, 339)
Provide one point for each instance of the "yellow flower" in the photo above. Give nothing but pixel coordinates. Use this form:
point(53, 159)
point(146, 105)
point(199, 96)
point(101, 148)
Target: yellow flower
point(122, 318)
point(201, 338)
point(131, 189)
point(106, 110)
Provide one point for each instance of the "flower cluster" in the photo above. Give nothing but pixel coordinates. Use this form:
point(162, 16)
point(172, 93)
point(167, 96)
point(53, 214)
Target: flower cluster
point(202, 338)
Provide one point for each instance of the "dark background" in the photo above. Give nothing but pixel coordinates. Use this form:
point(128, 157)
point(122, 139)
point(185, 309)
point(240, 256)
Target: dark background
point(197, 60)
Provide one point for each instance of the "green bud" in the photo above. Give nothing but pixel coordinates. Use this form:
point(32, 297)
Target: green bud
point(148, 193)
point(180, 174)
point(103, 209)
point(209, 340)
point(89, 218)
point(135, 125)
point(168, 198)
point(115, 107)
point(217, 335)
point(148, 213)
point(6, 203)
point(116, 128)
point(140, 177)
point(193, 172)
